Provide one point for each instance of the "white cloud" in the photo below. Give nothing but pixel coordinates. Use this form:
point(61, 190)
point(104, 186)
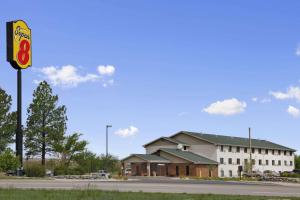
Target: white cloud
point(127, 132)
point(265, 100)
point(295, 112)
point(298, 50)
point(66, 76)
point(226, 107)
point(254, 99)
point(106, 70)
point(291, 93)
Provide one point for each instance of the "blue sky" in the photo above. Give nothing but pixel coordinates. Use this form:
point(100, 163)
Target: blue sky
point(152, 68)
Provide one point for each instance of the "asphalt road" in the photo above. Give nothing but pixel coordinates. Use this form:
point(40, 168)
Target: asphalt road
point(166, 186)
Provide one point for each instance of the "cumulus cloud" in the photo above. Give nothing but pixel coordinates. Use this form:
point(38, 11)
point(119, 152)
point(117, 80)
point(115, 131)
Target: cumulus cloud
point(291, 93)
point(254, 99)
point(226, 107)
point(68, 75)
point(298, 50)
point(127, 132)
point(295, 112)
point(106, 70)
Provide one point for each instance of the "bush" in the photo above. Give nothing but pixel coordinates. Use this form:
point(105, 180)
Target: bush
point(63, 170)
point(8, 161)
point(35, 170)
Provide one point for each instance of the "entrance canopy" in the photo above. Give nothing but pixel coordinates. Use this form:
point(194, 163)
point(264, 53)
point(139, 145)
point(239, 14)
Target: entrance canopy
point(142, 158)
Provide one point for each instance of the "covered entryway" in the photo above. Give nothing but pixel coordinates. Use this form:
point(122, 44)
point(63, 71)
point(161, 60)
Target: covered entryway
point(145, 165)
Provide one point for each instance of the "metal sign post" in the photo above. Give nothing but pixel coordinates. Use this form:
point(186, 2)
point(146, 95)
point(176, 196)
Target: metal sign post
point(18, 39)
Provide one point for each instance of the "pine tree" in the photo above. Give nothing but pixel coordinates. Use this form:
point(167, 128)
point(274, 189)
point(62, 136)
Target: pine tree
point(46, 123)
point(8, 122)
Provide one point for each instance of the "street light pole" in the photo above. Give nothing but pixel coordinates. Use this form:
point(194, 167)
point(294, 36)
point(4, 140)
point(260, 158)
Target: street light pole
point(107, 126)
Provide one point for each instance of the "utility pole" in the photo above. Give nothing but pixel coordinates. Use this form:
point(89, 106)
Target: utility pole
point(107, 126)
point(250, 147)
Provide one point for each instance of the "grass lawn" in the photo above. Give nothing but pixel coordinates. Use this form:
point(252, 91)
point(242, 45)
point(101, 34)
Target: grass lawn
point(17, 194)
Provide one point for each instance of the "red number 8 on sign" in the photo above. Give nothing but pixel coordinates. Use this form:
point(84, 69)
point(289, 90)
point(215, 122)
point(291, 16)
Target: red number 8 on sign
point(23, 54)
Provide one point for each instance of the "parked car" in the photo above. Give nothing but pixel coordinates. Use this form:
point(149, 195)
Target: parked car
point(270, 173)
point(104, 174)
point(253, 174)
point(128, 172)
point(296, 171)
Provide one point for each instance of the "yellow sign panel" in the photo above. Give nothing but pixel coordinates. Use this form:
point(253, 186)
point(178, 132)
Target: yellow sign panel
point(18, 44)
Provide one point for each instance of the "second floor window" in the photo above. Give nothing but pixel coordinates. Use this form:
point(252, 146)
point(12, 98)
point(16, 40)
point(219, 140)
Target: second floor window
point(222, 148)
point(259, 151)
point(273, 152)
point(245, 150)
point(279, 152)
point(230, 148)
point(238, 161)
point(273, 162)
point(230, 161)
point(259, 162)
point(253, 150)
point(267, 162)
point(279, 162)
point(267, 151)
point(238, 149)
point(285, 163)
point(221, 160)
point(291, 163)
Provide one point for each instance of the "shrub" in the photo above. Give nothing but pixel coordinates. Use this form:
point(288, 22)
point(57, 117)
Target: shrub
point(63, 170)
point(35, 170)
point(8, 161)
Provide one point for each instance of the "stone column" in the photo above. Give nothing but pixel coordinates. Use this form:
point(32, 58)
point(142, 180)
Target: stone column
point(148, 169)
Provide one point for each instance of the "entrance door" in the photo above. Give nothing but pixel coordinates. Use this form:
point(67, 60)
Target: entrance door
point(138, 172)
point(177, 170)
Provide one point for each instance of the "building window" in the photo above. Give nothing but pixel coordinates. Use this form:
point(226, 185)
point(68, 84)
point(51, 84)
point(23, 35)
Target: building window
point(238, 161)
point(245, 150)
point(222, 148)
point(273, 152)
point(222, 173)
point(267, 162)
point(259, 162)
point(267, 151)
point(285, 163)
point(285, 153)
point(230, 161)
point(238, 149)
point(291, 163)
point(184, 148)
point(279, 152)
point(253, 150)
point(221, 160)
point(230, 148)
point(245, 161)
point(187, 170)
point(259, 151)
point(273, 162)
point(230, 173)
point(279, 162)
point(291, 153)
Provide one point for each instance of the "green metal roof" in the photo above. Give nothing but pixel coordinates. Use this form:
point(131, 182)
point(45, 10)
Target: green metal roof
point(172, 140)
point(192, 157)
point(149, 158)
point(236, 141)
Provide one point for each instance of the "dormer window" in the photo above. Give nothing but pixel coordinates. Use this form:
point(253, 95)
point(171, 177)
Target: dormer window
point(185, 148)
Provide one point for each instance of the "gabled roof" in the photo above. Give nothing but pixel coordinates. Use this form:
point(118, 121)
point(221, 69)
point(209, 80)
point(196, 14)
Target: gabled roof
point(149, 158)
point(167, 139)
point(189, 156)
point(235, 141)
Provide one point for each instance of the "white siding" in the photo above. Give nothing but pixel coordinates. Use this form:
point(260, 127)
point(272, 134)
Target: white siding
point(256, 156)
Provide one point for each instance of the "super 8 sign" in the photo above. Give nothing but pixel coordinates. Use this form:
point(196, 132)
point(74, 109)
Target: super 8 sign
point(18, 44)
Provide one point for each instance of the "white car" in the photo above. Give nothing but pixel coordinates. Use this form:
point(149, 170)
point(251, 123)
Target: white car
point(104, 174)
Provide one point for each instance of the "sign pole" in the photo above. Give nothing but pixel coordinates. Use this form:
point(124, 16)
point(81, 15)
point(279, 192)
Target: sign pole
point(19, 133)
